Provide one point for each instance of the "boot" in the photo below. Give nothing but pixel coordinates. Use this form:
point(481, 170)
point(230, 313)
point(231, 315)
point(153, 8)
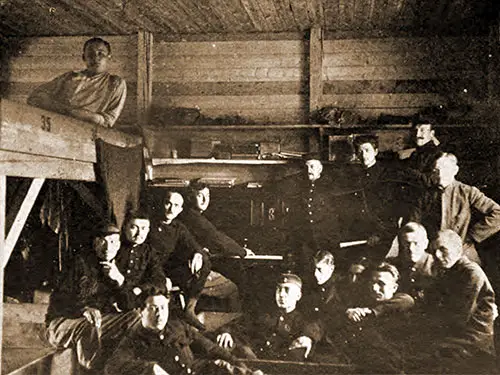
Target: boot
point(190, 315)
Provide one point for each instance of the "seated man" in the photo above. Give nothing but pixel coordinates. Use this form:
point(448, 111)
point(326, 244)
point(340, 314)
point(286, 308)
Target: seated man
point(184, 261)
point(269, 335)
point(91, 95)
point(137, 263)
point(85, 308)
point(417, 267)
point(221, 246)
point(161, 346)
point(370, 332)
point(459, 316)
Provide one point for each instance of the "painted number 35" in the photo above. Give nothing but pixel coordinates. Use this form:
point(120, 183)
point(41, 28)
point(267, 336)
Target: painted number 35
point(46, 123)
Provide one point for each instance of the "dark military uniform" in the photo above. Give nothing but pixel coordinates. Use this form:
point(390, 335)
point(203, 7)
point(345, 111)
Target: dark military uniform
point(376, 344)
point(456, 330)
point(176, 246)
point(416, 278)
point(170, 348)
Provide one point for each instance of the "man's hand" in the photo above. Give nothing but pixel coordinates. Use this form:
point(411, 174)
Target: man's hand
point(196, 263)
point(93, 315)
point(357, 314)
point(225, 340)
point(355, 271)
point(111, 270)
point(373, 240)
point(302, 342)
point(157, 370)
point(249, 252)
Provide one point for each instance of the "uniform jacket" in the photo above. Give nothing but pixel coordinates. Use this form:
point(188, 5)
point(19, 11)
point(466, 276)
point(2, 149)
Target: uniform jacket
point(462, 304)
point(209, 236)
point(85, 285)
point(171, 349)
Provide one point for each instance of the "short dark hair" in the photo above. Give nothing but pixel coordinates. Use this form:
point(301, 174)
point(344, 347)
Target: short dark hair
point(137, 214)
point(411, 227)
point(97, 41)
point(324, 255)
point(387, 267)
point(195, 186)
point(367, 138)
point(151, 291)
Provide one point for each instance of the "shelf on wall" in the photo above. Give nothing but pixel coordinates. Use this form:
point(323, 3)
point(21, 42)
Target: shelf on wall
point(171, 161)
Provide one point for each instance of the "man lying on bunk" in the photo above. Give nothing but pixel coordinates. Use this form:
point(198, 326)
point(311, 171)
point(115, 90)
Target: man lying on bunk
point(456, 327)
point(163, 345)
point(92, 95)
point(368, 333)
point(184, 261)
point(270, 334)
point(90, 306)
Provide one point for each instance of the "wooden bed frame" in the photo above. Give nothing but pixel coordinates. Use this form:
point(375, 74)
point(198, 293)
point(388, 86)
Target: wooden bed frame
point(39, 144)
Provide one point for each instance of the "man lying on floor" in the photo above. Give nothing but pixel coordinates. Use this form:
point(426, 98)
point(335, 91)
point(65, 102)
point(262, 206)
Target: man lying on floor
point(162, 345)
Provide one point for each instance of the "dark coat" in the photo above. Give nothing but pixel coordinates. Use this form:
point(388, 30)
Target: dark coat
point(171, 349)
point(209, 236)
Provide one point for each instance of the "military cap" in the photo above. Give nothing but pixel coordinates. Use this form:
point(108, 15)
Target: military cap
point(290, 278)
point(311, 156)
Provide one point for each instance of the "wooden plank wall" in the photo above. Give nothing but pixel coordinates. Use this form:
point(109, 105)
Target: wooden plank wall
point(33, 61)
point(264, 81)
point(399, 76)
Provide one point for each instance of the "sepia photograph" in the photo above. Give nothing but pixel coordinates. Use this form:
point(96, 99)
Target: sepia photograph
point(249, 187)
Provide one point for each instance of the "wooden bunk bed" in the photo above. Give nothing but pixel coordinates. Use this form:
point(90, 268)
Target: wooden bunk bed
point(41, 145)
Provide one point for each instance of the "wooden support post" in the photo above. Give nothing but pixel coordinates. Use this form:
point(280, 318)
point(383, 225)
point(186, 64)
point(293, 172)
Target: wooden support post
point(315, 68)
point(3, 204)
point(20, 219)
point(144, 75)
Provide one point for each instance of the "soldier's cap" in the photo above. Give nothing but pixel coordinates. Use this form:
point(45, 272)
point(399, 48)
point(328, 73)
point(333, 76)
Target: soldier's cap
point(108, 229)
point(289, 278)
point(311, 156)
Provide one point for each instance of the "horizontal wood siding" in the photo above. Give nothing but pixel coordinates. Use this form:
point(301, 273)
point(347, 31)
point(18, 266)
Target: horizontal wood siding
point(34, 61)
point(401, 76)
point(263, 81)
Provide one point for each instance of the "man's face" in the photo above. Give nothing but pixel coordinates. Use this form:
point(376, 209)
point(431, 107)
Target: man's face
point(314, 169)
point(424, 134)
point(413, 246)
point(107, 247)
point(383, 286)
point(323, 271)
point(287, 296)
point(173, 206)
point(367, 154)
point(445, 171)
point(203, 199)
point(137, 230)
point(447, 253)
point(155, 314)
point(96, 57)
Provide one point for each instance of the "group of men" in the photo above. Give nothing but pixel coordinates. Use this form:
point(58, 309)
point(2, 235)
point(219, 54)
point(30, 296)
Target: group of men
point(424, 305)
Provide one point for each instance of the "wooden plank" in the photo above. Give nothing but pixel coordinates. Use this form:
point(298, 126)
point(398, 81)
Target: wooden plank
point(229, 75)
point(465, 59)
point(20, 220)
point(396, 73)
point(383, 100)
point(229, 48)
point(233, 102)
point(232, 16)
point(36, 131)
point(403, 44)
point(26, 165)
point(315, 68)
point(299, 10)
point(230, 36)
point(202, 14)
point(22, 90)
point(144, 75)
point(230, 88)
point(265, 60)
point(73, 45)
